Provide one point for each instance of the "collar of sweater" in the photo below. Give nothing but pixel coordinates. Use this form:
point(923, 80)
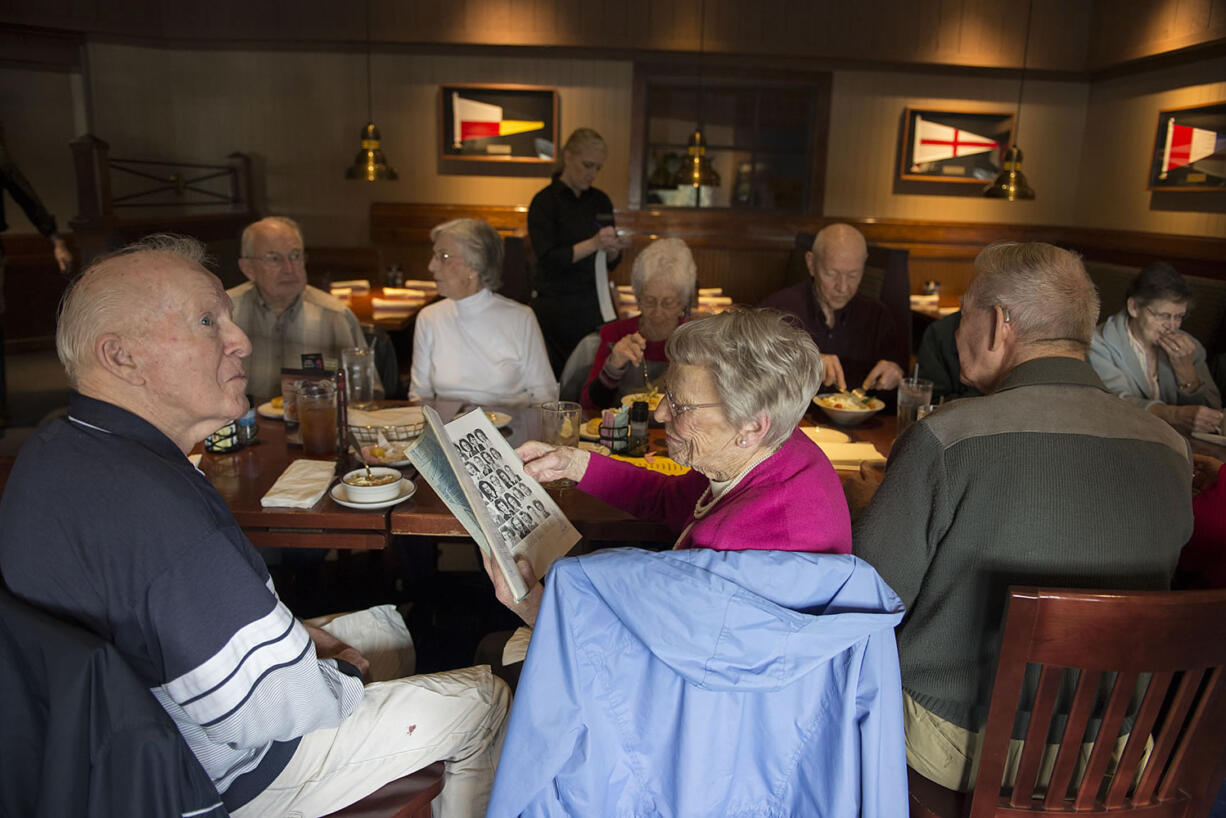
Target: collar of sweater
point(479, 301)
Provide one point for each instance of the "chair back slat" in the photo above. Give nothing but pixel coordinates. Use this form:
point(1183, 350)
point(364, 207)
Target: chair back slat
point(1036, 735)
point(1151, 706)
point(1163, 655)
point(1183, 754)
point(1088, 682)
point(1165, 741)
point(1104, 745)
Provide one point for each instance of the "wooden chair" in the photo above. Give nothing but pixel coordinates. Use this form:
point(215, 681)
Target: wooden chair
point(407, 797)
point(1179, 637)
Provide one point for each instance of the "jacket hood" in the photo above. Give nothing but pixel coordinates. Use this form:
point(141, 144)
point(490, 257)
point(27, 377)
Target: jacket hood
point(741, 620)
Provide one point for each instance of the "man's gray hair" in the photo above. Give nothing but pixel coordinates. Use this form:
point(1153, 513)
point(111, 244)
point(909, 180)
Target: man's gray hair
point(247, 241)
point(480, 245)
point(762, 361)
point(90, 308)
point(670, 261)
point(1047, 295)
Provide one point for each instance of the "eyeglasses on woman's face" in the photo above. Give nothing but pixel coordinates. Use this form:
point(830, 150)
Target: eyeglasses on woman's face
point(1175, 318)
point(678, 409)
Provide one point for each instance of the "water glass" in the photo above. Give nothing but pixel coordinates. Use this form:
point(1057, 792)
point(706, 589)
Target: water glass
point(359, 365)
point(912, 394)
point(317, 417)
point(560, 422)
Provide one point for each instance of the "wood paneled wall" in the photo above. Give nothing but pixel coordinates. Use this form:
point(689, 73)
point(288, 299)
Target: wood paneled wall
point(1124, 30)
point(980, 33)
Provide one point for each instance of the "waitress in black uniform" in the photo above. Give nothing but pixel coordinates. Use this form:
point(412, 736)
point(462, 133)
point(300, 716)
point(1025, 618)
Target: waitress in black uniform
point(570, 224)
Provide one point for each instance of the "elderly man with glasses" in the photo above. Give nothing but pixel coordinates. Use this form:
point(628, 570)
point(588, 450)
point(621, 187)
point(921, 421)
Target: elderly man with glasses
point(283, 315)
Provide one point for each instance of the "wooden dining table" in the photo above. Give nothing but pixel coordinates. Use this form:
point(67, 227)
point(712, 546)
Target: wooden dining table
point(244, 476)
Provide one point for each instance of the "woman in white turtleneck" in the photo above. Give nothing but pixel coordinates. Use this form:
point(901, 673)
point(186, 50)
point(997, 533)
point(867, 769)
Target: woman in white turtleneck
point(475, 345)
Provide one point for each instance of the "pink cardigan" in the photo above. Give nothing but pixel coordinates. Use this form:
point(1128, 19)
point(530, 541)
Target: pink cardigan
point(791, 501)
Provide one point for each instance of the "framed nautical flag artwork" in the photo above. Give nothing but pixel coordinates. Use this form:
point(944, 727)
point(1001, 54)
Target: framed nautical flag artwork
point(1190, 149)
point(947, 146)
point(498, 123)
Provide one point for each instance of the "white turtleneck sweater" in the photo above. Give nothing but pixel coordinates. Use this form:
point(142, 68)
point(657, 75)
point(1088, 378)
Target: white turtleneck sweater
point(485, 349)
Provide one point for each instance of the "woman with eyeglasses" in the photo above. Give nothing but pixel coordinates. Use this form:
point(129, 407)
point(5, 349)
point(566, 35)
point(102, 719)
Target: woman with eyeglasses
point(475, 345)
point(663, 278)
point(737, 387)
point(1143, 356)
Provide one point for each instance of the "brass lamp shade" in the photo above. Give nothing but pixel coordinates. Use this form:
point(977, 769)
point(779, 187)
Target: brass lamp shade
point(1011, 184)
point(370, 163)
point(696, 171)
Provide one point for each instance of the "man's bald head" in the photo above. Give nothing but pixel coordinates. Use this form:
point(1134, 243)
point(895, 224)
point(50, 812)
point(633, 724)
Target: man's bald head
point(839, 238)
point(836, 263)
point(118, 294)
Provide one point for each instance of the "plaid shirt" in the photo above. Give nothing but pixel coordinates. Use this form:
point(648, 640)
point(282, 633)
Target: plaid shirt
point(315, 322)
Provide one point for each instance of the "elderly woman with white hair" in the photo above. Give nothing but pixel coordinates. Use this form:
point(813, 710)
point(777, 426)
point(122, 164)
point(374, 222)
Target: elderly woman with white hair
point(663, 278)
point(475, 345)
point(738, 384)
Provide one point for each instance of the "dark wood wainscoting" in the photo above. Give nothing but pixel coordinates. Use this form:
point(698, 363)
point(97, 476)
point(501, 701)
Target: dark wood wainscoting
point(747, 253)
point(33, 286)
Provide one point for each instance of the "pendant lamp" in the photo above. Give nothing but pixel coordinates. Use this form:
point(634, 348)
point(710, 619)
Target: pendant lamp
point(696, 171)
point(370, 163)
point(1011, 183)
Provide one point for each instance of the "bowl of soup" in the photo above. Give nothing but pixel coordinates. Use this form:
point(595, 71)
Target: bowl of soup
point(381, 483)
point(847, 411)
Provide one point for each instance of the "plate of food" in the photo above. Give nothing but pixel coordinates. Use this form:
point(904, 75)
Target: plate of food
point(499, 419)
point(590, 430)
point(385, 455)
point(404, 490)
point(652, 398)
point(846, 409)
point(271, 409)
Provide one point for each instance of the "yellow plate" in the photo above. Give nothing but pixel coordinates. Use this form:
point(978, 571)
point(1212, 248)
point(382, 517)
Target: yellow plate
point(590, 430)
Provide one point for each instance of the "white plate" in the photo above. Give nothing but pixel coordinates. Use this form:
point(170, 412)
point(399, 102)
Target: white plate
point(267, 410)
point(590, 446)
point(499, 419)
point(407, 487)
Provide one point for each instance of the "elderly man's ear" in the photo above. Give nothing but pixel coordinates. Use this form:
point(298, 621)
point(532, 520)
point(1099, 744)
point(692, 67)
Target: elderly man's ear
point(1002, 329)
point(113, 354)
point(809, 260)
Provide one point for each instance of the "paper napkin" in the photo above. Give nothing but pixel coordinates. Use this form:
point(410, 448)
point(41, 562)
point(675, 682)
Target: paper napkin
point(301, 484)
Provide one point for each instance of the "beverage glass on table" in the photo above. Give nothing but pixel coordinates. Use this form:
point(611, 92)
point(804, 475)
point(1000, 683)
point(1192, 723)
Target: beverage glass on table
point(912, 394)
point(359, 366)
point(317, 417)
point(560, 422)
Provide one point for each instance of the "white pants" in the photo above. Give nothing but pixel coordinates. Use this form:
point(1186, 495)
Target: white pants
point(401, 725)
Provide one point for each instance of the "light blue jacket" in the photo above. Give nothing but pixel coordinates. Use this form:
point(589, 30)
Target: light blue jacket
point(701, 683)
point(1116, 363)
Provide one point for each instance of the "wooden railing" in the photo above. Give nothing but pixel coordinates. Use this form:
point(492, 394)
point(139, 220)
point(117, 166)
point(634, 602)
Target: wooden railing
point(211, 202)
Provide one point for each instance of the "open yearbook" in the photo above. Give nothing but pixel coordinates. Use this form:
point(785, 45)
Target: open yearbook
point(477, 474)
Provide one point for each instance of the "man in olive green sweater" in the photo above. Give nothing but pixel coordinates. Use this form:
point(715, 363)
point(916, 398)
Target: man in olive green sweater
point(1048, 480)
